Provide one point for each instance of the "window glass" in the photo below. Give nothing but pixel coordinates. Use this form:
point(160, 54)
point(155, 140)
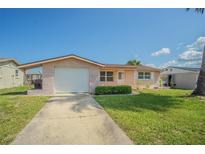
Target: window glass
point(102, 78)
point(141, 75)
point(0, 72)
point(109, 78)
point(102, 73)
point(147, 75)
point(17, 73)
point(109, 73)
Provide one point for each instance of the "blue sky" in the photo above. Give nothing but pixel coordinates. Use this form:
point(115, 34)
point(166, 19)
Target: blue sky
point(157, 37)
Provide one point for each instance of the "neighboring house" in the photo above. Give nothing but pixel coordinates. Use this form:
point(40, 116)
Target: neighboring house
point(10, 75)
point(72, 73)
point(180, 77)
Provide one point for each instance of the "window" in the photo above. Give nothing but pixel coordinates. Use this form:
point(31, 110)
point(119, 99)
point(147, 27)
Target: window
point(16, 73)
point(141, 75)
point(120, 75)
point(106, 76)
point(109, 76)
point(147, 75)
point(144, 75)
point(0, 72)
point(102, 76)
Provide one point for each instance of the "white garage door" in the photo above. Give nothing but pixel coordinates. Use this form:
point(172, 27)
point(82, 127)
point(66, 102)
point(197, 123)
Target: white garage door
point(71, 80)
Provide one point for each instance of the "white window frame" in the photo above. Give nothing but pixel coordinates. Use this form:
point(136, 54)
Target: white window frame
point(150, 75)
point(16, 73)
point(139, 75)
point(144, 76)
point(106, 76)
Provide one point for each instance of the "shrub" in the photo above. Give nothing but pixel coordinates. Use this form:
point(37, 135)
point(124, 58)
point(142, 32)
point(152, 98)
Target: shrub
point(106, 90)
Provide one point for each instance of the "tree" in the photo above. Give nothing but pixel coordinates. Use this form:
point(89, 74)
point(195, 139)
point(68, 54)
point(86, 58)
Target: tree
point(200, 89)
point(133, 62)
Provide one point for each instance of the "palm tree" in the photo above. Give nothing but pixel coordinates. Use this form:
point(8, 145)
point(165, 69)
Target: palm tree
point(200, 89)
point(198, 10)
point(133, 62)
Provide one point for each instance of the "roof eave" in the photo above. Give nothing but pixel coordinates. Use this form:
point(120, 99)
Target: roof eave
point(14, 60)
point(40, 63)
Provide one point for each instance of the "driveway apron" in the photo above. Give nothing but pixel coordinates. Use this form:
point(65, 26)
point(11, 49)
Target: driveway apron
point(75, 119)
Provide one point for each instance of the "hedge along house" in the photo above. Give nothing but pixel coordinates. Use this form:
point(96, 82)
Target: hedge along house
point(72, 73)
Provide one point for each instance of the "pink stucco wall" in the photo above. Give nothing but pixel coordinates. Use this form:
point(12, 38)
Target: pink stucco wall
point(94, 75)
point(49, 73)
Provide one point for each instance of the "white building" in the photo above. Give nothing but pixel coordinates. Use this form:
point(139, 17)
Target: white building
point(10, 75)
point(180, 77)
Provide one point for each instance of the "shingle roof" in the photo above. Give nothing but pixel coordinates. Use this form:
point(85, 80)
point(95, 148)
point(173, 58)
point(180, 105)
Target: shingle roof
point(187, 68)
point(3, 59)
point(9, 59)
point(139, 67)
point(40, 62)
point(120, 65)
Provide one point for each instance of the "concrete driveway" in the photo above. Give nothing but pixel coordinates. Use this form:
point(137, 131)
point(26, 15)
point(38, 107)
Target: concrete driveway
point(75, 119)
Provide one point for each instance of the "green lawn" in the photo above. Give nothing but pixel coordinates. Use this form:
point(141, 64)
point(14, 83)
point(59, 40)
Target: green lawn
point(16, 110)
point(159, 116)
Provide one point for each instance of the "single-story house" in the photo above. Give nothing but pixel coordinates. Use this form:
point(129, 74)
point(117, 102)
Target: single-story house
point(180, 77)
point(72, 73)
point(10, 74)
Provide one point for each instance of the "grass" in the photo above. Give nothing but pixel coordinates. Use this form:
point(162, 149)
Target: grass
point(159, 116)
point(16, 110)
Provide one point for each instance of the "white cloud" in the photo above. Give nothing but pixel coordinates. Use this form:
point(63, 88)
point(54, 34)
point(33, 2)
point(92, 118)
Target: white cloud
point(198, 44)
point(195, 63)
point(180, 45)
point(193, 54)
point(192, 63)
point(163, 51)
point(190, 55)
point(169, 63)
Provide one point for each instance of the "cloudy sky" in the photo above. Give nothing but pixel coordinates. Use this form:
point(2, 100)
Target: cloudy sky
point(156, 37)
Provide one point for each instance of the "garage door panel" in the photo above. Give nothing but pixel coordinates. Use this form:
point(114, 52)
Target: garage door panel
point(71, 80)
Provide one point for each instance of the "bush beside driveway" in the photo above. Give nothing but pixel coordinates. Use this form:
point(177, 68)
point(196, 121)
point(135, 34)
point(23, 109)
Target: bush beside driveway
point(159, 116)
point(16, 110)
